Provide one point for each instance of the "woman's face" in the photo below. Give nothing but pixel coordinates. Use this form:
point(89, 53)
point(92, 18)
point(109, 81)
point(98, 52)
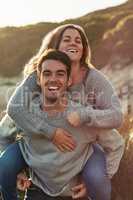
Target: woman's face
point(71, 44)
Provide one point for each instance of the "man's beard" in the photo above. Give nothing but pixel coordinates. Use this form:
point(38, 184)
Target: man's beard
point(51, 101)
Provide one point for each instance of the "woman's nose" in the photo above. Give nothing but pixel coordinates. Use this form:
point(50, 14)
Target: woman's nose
point(73, 42)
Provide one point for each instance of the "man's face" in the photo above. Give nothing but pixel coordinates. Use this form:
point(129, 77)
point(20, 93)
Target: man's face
point(53, 80)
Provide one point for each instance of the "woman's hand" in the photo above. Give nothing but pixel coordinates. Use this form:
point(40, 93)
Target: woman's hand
point(74, 119)
point(63, 140)
point(79, 191)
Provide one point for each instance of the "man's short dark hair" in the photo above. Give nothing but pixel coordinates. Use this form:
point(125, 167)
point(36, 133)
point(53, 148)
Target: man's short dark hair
point(53, 54)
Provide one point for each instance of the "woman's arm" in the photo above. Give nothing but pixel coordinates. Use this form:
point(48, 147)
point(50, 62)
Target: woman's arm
point(8, 132)
point(19, 109)
point(106, 112)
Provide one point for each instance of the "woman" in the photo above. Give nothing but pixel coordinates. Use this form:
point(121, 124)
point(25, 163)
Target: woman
point(101, 105)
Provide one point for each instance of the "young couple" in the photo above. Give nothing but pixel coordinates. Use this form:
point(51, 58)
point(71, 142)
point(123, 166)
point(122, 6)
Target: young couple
point(59, 129)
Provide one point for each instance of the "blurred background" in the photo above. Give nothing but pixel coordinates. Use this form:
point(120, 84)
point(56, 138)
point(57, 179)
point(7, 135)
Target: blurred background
point(109, 27)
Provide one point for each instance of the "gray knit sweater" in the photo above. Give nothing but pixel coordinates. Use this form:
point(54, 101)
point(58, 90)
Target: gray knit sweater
point(101, 115)
point(51, 169)
point(105, 112)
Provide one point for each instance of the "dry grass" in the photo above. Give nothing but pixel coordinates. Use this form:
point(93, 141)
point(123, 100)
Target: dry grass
point(123, 181)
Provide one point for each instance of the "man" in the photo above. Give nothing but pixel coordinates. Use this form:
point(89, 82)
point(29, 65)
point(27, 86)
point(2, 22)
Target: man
point(51, 102)
point(52, 170)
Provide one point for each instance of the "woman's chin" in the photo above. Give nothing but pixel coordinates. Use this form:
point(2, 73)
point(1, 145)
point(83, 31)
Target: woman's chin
point(74, 59)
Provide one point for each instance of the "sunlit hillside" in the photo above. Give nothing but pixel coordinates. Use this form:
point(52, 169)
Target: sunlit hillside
point(110, 33)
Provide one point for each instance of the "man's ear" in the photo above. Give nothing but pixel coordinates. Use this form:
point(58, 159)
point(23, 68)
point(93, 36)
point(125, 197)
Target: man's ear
point(69, 82)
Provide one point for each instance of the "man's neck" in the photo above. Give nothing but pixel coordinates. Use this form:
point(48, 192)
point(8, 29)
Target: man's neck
point(58, 106)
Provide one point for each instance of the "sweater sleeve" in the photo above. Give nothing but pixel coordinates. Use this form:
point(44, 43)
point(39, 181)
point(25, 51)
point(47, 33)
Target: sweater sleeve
point(8, 132)
point(18, 109)
point(107, 112)
point(113, 145)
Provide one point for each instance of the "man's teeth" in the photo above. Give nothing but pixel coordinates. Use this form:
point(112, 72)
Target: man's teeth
point(53, 88)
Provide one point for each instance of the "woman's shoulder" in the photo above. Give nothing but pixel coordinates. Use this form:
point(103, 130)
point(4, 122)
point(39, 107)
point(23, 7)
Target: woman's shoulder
point(96, 75)
point(96, 80)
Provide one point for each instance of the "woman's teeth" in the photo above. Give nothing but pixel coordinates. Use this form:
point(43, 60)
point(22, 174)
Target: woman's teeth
point(72, 50)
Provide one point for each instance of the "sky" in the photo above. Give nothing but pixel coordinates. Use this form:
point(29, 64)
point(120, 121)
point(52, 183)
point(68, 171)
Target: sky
point(23, 12)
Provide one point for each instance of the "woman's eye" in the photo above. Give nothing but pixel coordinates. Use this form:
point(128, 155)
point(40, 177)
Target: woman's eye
point(78, 41)
point(66, 40)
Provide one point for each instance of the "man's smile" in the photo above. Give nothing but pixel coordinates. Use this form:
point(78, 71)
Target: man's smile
point(53, 88)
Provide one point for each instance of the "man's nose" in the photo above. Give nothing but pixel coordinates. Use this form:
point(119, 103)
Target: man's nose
point(53, 77)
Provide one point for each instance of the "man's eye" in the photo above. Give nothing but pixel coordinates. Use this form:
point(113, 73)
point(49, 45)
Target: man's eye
point(61, 74)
